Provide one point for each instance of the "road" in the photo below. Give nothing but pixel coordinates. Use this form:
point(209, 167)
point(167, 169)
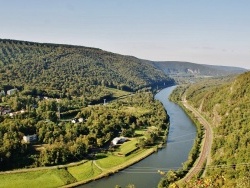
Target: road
point(206, 146)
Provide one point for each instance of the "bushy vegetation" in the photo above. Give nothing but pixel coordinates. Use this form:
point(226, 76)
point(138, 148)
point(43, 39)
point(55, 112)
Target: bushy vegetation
point(227, 106)
point(63, 141)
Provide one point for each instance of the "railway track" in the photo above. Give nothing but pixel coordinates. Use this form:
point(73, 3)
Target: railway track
point(207, 143)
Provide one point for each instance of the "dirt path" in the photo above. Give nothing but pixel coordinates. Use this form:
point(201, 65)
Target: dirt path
point(207, 142)
point(42, 168)
point(102, 169)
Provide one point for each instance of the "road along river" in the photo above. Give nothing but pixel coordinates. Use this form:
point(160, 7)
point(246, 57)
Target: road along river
point(144, 174)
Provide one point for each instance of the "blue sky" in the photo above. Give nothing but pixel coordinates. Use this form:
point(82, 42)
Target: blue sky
point(200, 31)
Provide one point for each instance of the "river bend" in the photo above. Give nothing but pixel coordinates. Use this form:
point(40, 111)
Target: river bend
point(144, 174)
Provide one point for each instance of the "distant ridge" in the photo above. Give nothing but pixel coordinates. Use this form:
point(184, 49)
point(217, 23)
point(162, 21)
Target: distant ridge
point(229, 69)
point(186, 69)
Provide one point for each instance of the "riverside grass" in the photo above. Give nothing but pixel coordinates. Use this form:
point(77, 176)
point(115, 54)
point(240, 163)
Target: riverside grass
point(84, 171)
point(113, 164)
point(40, 178)
point(127, 147)
point(78, 174)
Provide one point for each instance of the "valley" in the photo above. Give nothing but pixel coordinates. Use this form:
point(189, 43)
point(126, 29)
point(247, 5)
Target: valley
point(62, 105)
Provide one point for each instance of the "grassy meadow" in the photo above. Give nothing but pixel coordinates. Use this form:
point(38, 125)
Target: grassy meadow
point(107, 164)
point(84, 171)
point(41, 178)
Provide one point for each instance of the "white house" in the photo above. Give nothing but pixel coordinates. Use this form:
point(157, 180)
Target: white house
point(30, 138)
point(74, 120)
point(118, 140)
point(11, 91)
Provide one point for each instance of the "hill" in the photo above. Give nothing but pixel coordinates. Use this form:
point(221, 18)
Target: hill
point(72, 70)
point(228, 70)
point(191, 71)
point(227, 106)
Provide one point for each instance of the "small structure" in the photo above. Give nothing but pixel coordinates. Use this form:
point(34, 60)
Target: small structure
point(30, 138)
point(2, 93)
point(118, 140)
point(80, 120)
point(4, 110)
point(12, 91)
point(74, 120)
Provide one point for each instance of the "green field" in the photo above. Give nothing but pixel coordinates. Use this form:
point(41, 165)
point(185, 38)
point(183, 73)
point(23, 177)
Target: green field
point(116, 92)
point(127, 147)
point(140, 132)
point(84, 171)
point(114, 160)
point(72, 174)
point(42, 178)
point(136, 110)
point(124, 156)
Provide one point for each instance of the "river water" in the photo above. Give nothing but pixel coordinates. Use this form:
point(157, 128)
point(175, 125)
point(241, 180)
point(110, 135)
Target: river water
point(144, 174)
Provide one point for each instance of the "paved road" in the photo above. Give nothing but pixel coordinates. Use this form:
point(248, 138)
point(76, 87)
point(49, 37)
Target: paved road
point(207, 142)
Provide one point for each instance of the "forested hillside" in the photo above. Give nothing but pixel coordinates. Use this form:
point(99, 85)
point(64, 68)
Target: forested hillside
point(72, 70)
point(227, 107)
point(52, 89)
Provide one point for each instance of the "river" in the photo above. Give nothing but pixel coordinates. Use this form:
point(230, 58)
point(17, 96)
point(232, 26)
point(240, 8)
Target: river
point(144, 174)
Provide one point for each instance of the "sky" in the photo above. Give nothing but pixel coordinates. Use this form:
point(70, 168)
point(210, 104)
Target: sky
point(215, 32)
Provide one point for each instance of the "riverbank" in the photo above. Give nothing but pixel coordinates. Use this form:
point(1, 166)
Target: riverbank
point(115, 169)
point(145, 173)
point(200, 152)
point(82, 172)
point(68, 175)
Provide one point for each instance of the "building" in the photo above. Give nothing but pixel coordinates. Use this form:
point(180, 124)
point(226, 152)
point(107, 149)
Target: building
point(2, 93)
point(118, 140)
point(12, 91)
point(30, 138)
point(74, 120)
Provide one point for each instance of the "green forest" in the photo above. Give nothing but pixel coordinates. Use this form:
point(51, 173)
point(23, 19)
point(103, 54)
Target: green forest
point(225, 102)
point(66, 71)
point(75, 100)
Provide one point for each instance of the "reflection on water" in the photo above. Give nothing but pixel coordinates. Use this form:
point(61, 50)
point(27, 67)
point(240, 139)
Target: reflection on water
point(145, 173)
